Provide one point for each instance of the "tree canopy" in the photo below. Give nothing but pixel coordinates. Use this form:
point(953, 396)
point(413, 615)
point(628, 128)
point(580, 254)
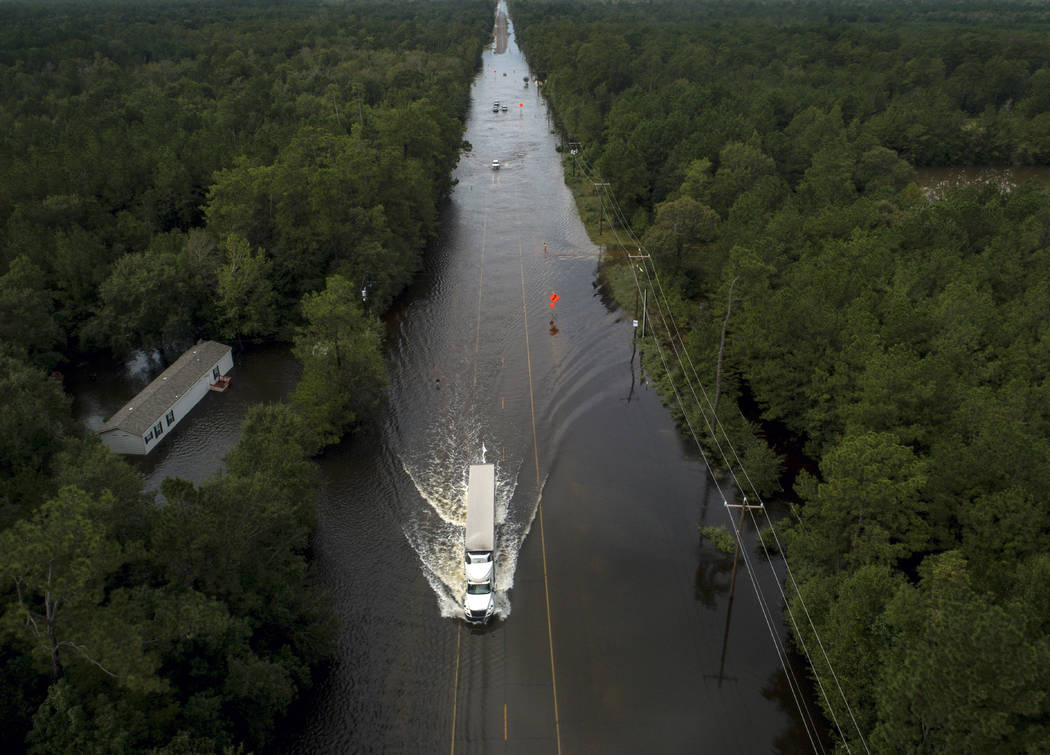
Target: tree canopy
point(765, 154)
point(174, 171)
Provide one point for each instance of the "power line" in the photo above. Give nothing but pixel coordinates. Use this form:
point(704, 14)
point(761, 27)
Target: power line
point(793, 684)
point(715, 424)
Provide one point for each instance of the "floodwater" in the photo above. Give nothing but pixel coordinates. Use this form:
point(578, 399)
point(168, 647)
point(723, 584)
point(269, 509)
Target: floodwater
point(612, 628)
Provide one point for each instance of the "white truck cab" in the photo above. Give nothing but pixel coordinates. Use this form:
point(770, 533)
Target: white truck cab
point(478, 604)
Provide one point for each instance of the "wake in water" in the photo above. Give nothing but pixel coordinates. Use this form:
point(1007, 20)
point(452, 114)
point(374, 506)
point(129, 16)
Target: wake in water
point(436, 457)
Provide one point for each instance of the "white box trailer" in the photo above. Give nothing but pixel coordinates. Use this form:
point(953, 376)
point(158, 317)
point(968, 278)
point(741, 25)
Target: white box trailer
point(479, 541)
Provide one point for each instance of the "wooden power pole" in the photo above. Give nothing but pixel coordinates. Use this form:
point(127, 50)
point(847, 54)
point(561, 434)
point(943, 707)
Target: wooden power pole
point(745, 506)
point(601, 199)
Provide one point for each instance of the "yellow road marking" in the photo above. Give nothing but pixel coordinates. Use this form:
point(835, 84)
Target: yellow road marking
point(477, 341)
point(504, 722)
point(481, 281)
point(536, 459)
point(455, 688)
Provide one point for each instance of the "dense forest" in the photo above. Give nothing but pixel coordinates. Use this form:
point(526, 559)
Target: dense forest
point(176, 171)
point(765, 156)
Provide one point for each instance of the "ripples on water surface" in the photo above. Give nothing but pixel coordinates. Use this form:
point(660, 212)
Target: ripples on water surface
point(623, 599)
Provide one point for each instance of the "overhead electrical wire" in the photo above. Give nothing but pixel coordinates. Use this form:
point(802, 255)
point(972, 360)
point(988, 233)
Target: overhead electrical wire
point(674, 338)
point(793, 684)
point(712, 424)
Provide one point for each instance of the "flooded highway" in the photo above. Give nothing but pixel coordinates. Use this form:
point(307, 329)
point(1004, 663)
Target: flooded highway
point(611, 630)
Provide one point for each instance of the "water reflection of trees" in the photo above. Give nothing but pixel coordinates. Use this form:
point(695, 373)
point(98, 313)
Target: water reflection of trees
point(794, 738)
point(712, 575)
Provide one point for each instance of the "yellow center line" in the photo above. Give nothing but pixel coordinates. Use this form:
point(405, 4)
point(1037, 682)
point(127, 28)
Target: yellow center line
point(455, 688)
point(477, 341)
point(536, 459)
point(481, 280)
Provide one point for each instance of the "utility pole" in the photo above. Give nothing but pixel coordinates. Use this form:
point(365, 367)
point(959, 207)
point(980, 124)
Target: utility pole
point(745, 506)
point(636, 320)
point(644, 311)
point(635, 306)
point(721, 675)
point(645, 292)
point(601, 218)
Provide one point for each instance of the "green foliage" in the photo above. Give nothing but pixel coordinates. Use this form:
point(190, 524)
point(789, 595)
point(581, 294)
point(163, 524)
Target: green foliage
point(34, 417)
point(122, 125)
point(868, 508)
point(145, 303)
point(27, 320)
point(964, 673)
point(246, 300)
point(57, 562)
point(86, 464)
point(901, 341)
point(720, 537)
point(679, 224)
point(189, 625)
point(134, 141)
point(343, 369)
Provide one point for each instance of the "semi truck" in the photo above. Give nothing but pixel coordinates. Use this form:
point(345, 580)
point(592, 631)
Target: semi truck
point(479, 541)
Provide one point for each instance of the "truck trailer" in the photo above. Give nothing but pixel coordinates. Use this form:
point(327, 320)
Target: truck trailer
point(479, 541)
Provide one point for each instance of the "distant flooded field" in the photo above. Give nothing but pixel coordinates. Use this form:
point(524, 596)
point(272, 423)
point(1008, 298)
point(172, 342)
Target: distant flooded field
point(936, 182)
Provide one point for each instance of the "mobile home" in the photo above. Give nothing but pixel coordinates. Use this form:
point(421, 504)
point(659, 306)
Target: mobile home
point(140, 425)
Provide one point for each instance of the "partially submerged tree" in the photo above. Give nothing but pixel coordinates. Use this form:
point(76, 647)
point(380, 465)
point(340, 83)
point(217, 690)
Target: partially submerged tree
point(340, 349)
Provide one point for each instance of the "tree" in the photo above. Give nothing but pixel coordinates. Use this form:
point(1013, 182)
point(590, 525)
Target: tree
point(698, 180)
point(964, 672)
point(868, 508)
point(88, 465)
point(145, 305)
point(57, 563)
point(740, 166)
point(680, 225)
point(27, 314)
point(247, 303)
point(340, 349)
point(848, 613)
point(34, 417)
point(275, 440)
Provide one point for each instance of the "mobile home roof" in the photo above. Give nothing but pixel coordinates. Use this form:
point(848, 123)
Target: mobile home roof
point(137, 415)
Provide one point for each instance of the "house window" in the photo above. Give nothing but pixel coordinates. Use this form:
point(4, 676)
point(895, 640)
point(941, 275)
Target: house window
point(215, 372)
point(170, 417)
point(158, 429)
point(149, 437)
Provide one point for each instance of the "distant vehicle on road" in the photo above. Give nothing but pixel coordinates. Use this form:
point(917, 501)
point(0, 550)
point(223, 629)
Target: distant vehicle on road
point(495, 106)
point(503, 108)
point(495, 164)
